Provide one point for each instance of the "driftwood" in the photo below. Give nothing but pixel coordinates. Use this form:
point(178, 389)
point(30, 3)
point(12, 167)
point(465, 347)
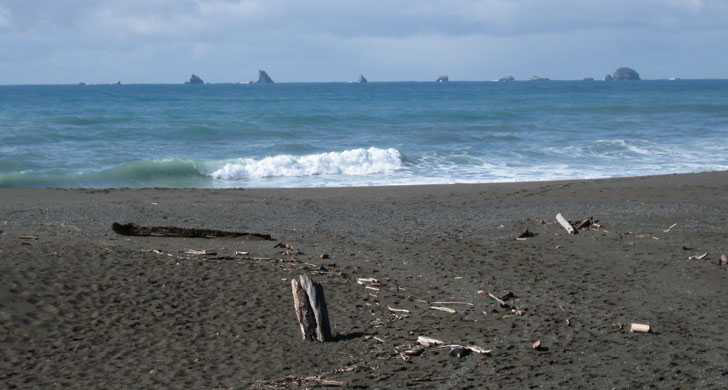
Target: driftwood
point(395, 310)
point(670, 228)
point(563, 222)
point(639, 328)
point(367, 281)
point(500, 301)
point(311, 312)
point(583, 224)
point(453, 303)
point(525, 235)
point(698, 257)
point(428, 341)
point(131, 229)
point(445, 309)
point(536, 345)
point(723, 260)
point(202, 252)
point(456, 349)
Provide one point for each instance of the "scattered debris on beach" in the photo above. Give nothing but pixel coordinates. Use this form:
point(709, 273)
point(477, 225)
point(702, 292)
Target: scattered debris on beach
point(723, 260)
point(131, 229)
point(311, 381)
point(574, 227)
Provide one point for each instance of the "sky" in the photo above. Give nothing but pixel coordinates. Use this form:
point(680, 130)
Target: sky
point(164, 41)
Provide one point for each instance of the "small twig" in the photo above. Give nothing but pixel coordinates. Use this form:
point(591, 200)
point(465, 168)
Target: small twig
point(670, 228)
point(453, 303)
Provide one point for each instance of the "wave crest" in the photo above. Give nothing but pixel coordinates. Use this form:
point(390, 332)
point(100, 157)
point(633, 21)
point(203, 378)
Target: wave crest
point(354, 162)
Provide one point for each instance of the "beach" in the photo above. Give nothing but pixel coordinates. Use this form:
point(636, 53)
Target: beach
point(82, 307)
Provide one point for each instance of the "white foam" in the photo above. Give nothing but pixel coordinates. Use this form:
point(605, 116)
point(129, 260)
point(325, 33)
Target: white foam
point(354, 162)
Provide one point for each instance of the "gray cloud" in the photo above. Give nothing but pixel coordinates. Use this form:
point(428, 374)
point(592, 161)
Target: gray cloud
point(228, 40)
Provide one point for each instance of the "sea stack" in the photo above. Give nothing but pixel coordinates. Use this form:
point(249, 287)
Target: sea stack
point(608, 77)
point(443, 79)
point(625, 73)
point(195, 79)
point(263, 78)
point(506, 79)
point(362, 79)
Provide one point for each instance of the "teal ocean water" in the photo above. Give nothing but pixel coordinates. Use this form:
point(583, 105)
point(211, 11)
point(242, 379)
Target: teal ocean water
point(338, 134)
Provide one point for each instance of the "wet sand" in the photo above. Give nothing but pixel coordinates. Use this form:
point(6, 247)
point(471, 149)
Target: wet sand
point(82, 307)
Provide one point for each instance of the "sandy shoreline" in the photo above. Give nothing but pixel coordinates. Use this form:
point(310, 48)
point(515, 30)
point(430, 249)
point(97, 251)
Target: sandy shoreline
point(82, 307)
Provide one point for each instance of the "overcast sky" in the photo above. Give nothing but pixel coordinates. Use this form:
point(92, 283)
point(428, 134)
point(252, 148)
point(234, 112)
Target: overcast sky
point(67, 41)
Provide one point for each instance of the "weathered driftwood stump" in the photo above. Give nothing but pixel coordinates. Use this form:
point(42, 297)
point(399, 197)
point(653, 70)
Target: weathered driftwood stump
point(310, 306)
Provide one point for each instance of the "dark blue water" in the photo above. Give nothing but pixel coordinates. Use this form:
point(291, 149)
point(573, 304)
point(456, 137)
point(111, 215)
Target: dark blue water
point(337, 134)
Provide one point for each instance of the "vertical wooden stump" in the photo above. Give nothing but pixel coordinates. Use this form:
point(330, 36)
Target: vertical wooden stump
point(310, 306)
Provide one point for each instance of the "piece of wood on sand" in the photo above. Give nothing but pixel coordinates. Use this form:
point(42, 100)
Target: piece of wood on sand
point(428, 341)
point(563, 222)
point(311, 312)
point(131, 229)
point(639, 328)
point(445, 309)
point(395, 310)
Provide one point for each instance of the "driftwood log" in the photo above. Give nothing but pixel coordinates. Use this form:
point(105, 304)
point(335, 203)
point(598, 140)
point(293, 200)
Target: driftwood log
point(566, 225)
point(311, 312)
point(131, 229)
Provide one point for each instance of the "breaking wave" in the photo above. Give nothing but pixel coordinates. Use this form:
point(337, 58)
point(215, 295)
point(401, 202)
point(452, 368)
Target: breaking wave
point(191, 173)
point(354, 162)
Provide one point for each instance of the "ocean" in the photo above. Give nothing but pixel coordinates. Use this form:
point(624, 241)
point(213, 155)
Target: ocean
point(350, 134)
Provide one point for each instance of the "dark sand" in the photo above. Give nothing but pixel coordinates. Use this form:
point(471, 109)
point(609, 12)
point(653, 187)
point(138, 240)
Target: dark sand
point(84, 308)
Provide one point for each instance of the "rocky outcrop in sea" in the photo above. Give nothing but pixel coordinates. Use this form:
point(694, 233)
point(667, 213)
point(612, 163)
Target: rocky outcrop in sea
point(362, 79)
point(443, 79)
point(263, 78)
point(623, 73)
point(195, 79)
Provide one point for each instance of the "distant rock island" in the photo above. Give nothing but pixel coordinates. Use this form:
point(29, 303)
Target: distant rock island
point(443, 79)
point(263, 78)
point(195, 79)
point(588, 78)
point(506, 79)
point(623, 73)
point(362, 79)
